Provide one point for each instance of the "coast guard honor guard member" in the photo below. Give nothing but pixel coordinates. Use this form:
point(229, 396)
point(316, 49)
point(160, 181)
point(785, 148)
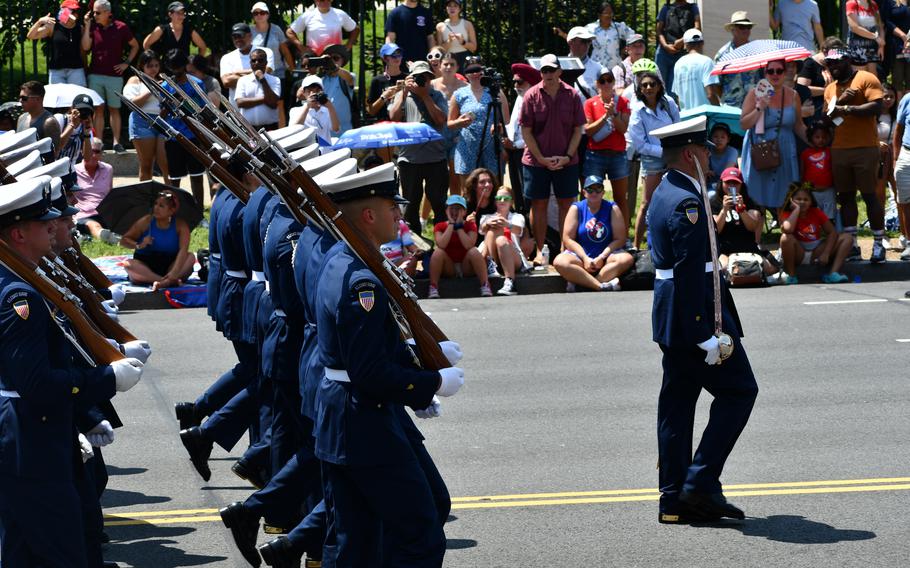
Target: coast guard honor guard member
point(698, 330)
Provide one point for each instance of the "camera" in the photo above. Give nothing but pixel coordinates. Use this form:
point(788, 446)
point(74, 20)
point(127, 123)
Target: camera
point(85, 113)
point(322, 98)
point(421, 80)
point(492, 80)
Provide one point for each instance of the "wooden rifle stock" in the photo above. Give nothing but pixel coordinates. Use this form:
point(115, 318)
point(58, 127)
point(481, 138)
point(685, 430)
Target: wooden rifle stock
point(97, 345)
point(5, 176)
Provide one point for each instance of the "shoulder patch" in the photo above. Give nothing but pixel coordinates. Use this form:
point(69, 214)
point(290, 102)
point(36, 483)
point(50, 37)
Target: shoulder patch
point(367, 299)
point(364, 285)
point(21, 308)
point(692, 214)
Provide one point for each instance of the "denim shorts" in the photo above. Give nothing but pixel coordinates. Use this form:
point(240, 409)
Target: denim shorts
point(538, 181)
point(606, 164)
point(69, 76)
point(140, 129)
point(651, 166)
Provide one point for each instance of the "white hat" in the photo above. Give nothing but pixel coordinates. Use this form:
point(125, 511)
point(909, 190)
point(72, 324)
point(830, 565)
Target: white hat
point(24, 200)
point(693, 35)
point(303, 138)
point(579, 32)
point(691, 131)
point(259, 7)
point(319, 164)
point(44, 146)
point(306, 152)
point(280, 133)
point(345, 167)
point(739, 18)
point(25, 164)
point(12, 140)
point(311, 80)
point(62, 168)
point(380, 181)
point(549, 60)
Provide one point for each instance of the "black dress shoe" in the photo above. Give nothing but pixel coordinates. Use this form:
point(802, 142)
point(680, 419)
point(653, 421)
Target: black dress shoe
point(280, 554)
point(682, 514)
point(710, 505)
point(109, 564)
point(243, 470)
point(186, 415)
point(199, 449)
point(244, 528)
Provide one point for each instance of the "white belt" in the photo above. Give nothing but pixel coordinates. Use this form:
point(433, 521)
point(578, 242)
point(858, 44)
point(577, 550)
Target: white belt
point(667, 273)
point(337, 375)
point(236, 273)
point(14, 394)
point(258, 276)
point(216, 255)
point(280, 313)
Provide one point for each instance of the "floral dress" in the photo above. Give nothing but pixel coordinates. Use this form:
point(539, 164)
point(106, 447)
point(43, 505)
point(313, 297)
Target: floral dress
point(471, 136)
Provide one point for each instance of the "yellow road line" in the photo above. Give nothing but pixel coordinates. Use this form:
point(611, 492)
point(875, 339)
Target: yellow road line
point(563, 498)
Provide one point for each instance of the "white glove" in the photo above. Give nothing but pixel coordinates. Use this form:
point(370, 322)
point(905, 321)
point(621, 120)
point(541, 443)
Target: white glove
point(452, 380)
point(712, 347)
point(117, 293)
point(432, 411)
point(110, 308)
point(137, 349)
point(452, 351)
point(85, 447)
point(101, 435)
point(127, 372)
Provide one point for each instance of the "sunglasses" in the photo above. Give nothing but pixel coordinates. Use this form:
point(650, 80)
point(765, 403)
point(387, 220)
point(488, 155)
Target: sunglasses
point(260, 13)
point(743, 26)
point(517, 82)
point(24, 98)
point(547, 70)
point(606, 79)
point(595, 189)
point(503, 198)
point(258, 60)
point(237, 35)
point(432, 56)
point(648, 85)
point(775, 71)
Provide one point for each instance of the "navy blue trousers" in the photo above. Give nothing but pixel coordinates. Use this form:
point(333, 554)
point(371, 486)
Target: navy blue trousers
point(231, 382)
point(734, 389)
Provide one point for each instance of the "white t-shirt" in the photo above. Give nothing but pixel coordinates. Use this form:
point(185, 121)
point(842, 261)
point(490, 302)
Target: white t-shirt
point(320, 119)
point(323, 29)
point(248, 86)
point(516, 220)
point(233, 61)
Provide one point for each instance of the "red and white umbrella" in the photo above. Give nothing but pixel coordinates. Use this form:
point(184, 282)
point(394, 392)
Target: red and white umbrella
point(756, 54)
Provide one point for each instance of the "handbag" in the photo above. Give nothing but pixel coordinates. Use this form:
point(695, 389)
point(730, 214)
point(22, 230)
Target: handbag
point(766, 155)
point(744, 269)
point(641, 276)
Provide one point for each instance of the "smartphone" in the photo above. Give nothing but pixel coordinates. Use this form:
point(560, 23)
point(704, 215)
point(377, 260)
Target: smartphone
point(399, 85)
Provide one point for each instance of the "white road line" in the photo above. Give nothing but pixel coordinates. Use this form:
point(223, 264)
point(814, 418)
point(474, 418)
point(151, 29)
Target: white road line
point(902, 340)
point(868, 301)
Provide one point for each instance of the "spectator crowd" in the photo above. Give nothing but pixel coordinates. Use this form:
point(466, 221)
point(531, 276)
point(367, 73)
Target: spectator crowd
point(555, 159)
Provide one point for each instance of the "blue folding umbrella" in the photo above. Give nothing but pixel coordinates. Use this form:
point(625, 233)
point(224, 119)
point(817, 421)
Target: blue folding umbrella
point(729, 115)
point(387, 134)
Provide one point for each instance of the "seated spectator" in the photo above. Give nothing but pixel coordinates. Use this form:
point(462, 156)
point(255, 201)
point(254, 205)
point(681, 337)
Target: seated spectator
point(402, 252)
point(161, 241)
point(807, 235)
point(502, 233)
point(455, 254)
point(456, 35)
point(258, 95)
point(722, 155)
point(64, 64)
point(199, 68)
point(148, 142)
point(177, 33)
point(594, 238)
point(737, 218)
point(94, 179)
point(323, 25)
point(318, 110)
point(817, 169)
point(478, 193)
point(34, 115)
point(411, 26)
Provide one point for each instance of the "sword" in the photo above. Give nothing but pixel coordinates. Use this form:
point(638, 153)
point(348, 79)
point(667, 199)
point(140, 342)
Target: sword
point(725, 342)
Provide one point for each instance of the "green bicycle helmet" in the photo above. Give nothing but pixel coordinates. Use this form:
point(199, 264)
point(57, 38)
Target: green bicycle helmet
point(643, 65)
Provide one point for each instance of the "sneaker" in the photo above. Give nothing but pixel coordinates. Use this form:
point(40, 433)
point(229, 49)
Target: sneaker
point(485, 290)
point(570, 287)
point(906, 254)
point(776, 278)
point(791, 280)
point(611, 286)
point(886, 242)
point(508, 288)
point(854, 254)
point(109, 237)
point(433, 294)
point(492, 271)
point(119, 149)
point(835, 278)
point(903, 242)
point(878, 252)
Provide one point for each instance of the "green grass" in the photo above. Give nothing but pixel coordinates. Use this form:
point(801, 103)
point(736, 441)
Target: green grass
point(199, 239)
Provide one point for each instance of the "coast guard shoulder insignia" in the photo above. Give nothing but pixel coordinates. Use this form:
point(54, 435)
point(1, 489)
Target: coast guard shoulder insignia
point(367, 299)
point(692, 214)
point(21, 308)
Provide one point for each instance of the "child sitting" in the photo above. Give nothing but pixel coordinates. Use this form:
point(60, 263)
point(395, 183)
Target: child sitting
point(402, 252)
point(807, 235)
point(722, 156)
point(815, 164)
point(502, 232)
point(455, 253)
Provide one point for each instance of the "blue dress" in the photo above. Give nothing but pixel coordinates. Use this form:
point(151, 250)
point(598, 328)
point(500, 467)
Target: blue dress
point(470, 136)
point(769, 187)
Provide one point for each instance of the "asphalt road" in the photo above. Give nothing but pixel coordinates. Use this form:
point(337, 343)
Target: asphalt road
point(560, 400)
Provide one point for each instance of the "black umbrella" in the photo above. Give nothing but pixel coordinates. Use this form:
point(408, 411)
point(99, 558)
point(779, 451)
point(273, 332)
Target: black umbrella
point(125, 205)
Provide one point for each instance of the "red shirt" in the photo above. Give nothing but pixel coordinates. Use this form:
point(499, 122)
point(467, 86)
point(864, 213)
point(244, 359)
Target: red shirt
point(808, 227)
point(551, 120)
point(816, 166)
point(594, 109)
point(108, 45)
point(455, 250)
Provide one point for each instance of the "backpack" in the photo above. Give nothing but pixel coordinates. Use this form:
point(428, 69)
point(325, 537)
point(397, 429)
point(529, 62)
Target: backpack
point(745, 269)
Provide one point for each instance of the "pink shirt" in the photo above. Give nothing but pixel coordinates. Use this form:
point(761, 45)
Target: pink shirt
point(552, 121)
point(92, 190)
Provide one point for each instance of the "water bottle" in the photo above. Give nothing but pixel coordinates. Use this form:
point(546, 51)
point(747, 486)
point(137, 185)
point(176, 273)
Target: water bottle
point(545, 254)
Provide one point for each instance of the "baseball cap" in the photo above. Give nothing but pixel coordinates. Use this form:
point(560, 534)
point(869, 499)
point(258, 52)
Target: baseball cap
point(419, 68)
point(837, 54)
point(579, 32)
point(732, 173)
point(83, 102)
point(388, 49)
point(593, 180)
point(456, 200)
point(310, 80)
point(241, 28)
point(635, 38)
point(549, 60)
point(693, 35)
point(259, 7)
point(174, 6)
